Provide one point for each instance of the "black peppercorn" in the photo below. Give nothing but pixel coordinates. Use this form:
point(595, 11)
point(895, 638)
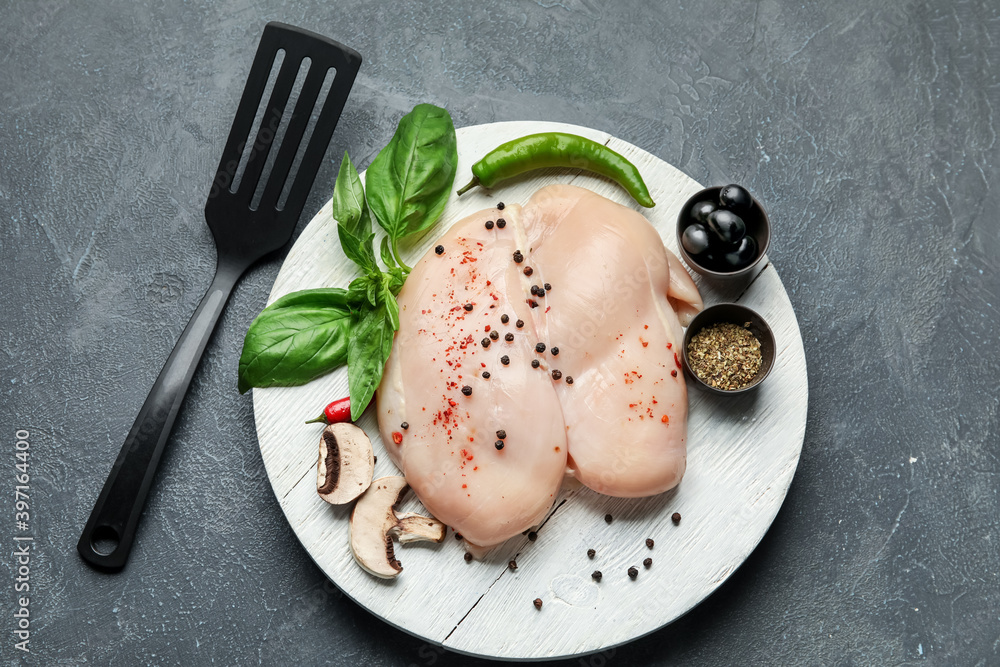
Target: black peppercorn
point(512, 565)
point(556, 374)
point(458, 536)
point(528, 270)
point(554, 351)
point(468, 557)
point(633, 573)
point(534, 290)
point(539, 347)
point(649, 542)
point(596, 575)
point(518, 257)
point(676, 517)
point(498, 444)
point(532, 536)
point(547, 287)
point(591, 553)
point(500, 206)
point(502, 434)
point(535, 363)
point(486, 342)
point(468, 307)
point(505, 360)
point(538, 603)
point(404, 425)
point(509, 337)
point(673, 373)
point(501, 223)
point(648, 563)
point(467, 390)
point(439, 250)
point(489, 224)
point(494, 335)
point(519, 324)
point(608, 518)
point(486, 375)
point(569, 379)
point(504, 319)
point(533, 303)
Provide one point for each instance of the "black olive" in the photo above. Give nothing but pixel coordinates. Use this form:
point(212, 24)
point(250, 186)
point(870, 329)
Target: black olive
point(727, 227)
point(744, 254)
point(701, 211)
point(735, 198)
point(695, 239)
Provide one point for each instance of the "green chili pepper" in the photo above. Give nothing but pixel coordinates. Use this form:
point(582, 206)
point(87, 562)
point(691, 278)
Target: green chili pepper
point(557, 149)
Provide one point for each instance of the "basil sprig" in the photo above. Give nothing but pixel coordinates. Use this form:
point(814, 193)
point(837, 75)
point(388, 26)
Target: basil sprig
point(308, 333)
point(410, 179)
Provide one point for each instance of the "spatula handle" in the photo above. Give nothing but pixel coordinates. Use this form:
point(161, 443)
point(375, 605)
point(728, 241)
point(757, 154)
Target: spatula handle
point(115, 516)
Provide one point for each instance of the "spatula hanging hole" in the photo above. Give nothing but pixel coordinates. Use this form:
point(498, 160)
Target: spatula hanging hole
point(104, 540)
point(317, 109)
point(246, 148)
point(279, 132)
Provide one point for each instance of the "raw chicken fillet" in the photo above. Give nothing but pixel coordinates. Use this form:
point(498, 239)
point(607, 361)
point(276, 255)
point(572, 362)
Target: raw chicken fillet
point(490, 435)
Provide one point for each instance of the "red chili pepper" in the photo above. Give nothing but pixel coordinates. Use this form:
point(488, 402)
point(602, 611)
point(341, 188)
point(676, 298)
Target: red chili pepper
point(336, 412)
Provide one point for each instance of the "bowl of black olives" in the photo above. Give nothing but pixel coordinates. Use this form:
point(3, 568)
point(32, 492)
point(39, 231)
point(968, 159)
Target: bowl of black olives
point(723, 232)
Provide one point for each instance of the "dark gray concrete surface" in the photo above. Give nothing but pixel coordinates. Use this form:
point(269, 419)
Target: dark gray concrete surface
point(869, 129)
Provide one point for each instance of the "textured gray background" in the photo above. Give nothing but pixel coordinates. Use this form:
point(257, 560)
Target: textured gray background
point(867, 128)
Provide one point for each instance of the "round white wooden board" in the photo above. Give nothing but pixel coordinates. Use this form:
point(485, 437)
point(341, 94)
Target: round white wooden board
point(742, 454)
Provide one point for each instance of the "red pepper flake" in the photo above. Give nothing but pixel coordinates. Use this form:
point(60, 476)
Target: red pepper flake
point(677, 360)
point(397, 437)
point(452, 403)
point(669, 345)
point(465, 486)
point(645, 343)
point(487, 328)
point(673, 374)
point(645, 326)
point(665, 419)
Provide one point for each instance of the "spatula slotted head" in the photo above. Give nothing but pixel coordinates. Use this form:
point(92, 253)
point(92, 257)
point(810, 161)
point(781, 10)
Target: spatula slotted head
point(242, 225)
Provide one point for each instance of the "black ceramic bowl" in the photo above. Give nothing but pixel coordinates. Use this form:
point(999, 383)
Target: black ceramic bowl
point(757, 223)
point(735, 314)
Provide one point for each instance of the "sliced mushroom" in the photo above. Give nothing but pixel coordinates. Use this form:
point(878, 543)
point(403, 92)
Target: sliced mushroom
point(374, 522)
point(346, 464)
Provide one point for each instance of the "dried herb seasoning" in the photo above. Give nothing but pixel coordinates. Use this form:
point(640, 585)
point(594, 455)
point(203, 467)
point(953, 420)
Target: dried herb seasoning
point(725, 355)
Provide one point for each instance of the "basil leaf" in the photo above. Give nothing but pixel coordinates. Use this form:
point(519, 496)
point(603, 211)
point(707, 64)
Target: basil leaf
point(359, 293)
point(396, 280)
point(367, 352)
point(321, 297)
point(410, 179)
point(353, 220)
point(389, 301)
point(386, 253)
point(296, 339)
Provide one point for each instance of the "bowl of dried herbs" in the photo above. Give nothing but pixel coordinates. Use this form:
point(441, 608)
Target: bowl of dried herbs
point(728, 349)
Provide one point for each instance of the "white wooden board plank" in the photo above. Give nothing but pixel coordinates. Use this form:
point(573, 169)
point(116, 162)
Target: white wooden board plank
point(741, 458)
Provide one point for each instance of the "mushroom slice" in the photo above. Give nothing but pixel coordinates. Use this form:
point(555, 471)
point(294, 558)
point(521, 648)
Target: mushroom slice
point(346, 464)
point(374, 521)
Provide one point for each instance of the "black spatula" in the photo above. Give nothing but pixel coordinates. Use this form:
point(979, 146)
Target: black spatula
point(248, 220)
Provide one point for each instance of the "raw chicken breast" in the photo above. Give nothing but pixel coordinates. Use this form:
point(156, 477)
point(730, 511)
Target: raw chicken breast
point(618, 338)
point(448, 451)
point(610, 311)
